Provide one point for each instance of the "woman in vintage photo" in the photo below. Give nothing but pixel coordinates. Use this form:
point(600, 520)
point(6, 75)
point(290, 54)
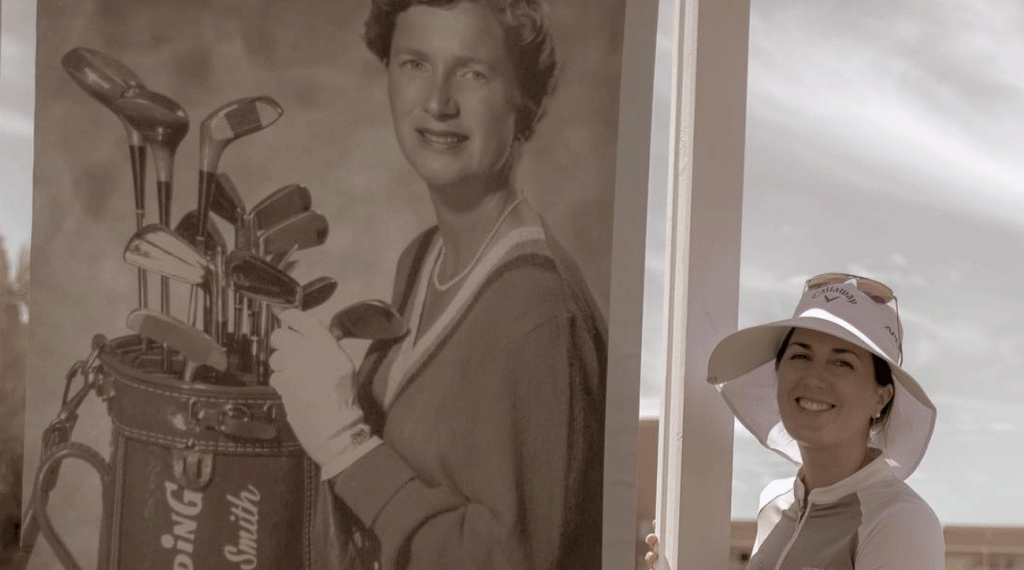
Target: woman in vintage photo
point(826, 389)
point(475, 440)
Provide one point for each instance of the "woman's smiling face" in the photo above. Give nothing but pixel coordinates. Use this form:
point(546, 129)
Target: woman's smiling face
point(452, 91)
point(827, 393)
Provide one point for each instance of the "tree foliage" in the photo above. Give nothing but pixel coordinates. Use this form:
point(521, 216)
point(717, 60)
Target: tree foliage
point(14, 288)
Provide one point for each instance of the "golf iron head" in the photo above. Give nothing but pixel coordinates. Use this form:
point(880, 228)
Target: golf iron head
point(188, 228)
point(259, 280)
point(158, 249)
point(299, 232)
point(276, 207)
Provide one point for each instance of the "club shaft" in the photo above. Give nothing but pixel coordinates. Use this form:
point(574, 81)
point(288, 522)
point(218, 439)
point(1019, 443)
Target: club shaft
point(137, 155)
point(163, 204)
point(207, 179)
point(259, 337)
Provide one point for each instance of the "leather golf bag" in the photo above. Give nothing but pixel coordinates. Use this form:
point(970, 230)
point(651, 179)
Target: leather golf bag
point(202, 475)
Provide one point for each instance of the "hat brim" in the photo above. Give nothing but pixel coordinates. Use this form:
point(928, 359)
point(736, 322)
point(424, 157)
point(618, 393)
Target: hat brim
point(742, 365)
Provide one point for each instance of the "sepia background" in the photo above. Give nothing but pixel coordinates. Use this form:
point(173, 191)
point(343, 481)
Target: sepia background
point(335, 137)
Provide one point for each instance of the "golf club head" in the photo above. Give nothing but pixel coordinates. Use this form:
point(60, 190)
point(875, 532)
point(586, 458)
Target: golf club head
point(105, 79)
point(255, 278)
point(278, 206)
point(232, 121)
point(225, 124)
point(370, 320)
point(101, 76)
point(317, 292)
point(226, 202)
point(158, 249)
point(196, 346)
point(188, 228)
point(301, 231)
point(162, 122)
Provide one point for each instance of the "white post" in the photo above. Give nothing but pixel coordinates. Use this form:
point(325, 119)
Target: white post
point(626, 307)
point(703, 229)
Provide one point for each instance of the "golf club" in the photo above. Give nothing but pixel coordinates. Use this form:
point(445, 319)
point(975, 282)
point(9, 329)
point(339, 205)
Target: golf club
point(163, 124)
point(317, 292)
point(313, 294)
point(198, 348)
point(105, 79)
point(215, 247)
point(258, 280)
point(301, 231)
point(188, 228)
point(276, 207)
point(227, 203)
point(370, 320)
point(220, 128)
point(158, 249)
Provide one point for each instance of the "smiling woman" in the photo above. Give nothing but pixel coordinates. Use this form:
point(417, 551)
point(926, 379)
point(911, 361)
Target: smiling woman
point(475, 441)
point(453, 97)
point(826, 390)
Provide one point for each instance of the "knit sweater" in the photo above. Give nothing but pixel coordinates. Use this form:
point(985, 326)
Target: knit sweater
point(492, 420)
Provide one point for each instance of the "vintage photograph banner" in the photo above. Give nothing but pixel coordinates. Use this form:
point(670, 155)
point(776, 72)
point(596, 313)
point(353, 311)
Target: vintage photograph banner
point(311, 108)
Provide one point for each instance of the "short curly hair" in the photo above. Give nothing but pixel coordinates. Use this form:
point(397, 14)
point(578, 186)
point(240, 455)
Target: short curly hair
point(527, 39)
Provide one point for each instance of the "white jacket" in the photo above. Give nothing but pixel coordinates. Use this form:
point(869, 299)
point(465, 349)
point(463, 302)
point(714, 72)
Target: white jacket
point(871, 520)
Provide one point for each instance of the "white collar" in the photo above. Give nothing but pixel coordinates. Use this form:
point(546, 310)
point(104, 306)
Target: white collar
point(879, 468)
point(411, 351)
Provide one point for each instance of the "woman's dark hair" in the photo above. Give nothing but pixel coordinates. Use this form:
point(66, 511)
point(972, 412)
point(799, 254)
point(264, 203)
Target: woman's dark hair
point(527, 39)
point(883, 377)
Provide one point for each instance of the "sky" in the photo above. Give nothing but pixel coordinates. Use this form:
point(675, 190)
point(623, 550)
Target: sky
point(17, 60)
point(882, 140)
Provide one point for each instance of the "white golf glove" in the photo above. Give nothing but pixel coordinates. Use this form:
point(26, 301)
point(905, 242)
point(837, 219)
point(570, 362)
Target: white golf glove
point(315, 379)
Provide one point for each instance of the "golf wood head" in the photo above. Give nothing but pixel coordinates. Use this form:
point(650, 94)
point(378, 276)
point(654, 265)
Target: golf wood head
point(158, 249)
point(370, 320)
point(299, 232)
point(196, 346)
point(105, 79)
point(317, 292)
point(158, 118)
point(232, 121)
point(101, 76)
point(213, 239)
point(257, 279)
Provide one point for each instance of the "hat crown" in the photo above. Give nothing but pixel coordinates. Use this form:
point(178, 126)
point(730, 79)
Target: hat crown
point(876, 324)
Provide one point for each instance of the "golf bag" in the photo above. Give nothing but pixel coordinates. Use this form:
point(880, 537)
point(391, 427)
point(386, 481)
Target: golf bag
point(201, 474)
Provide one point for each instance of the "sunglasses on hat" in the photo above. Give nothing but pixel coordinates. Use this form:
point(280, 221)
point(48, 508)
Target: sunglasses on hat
point(875, 290)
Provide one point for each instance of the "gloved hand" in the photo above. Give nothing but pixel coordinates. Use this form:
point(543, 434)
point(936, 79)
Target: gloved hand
point(315, 379)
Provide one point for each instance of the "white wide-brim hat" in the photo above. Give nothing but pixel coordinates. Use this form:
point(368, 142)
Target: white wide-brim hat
point(742, 366)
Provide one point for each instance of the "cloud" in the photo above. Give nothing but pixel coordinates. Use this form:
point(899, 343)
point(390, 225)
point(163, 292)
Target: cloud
point(924, 91)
